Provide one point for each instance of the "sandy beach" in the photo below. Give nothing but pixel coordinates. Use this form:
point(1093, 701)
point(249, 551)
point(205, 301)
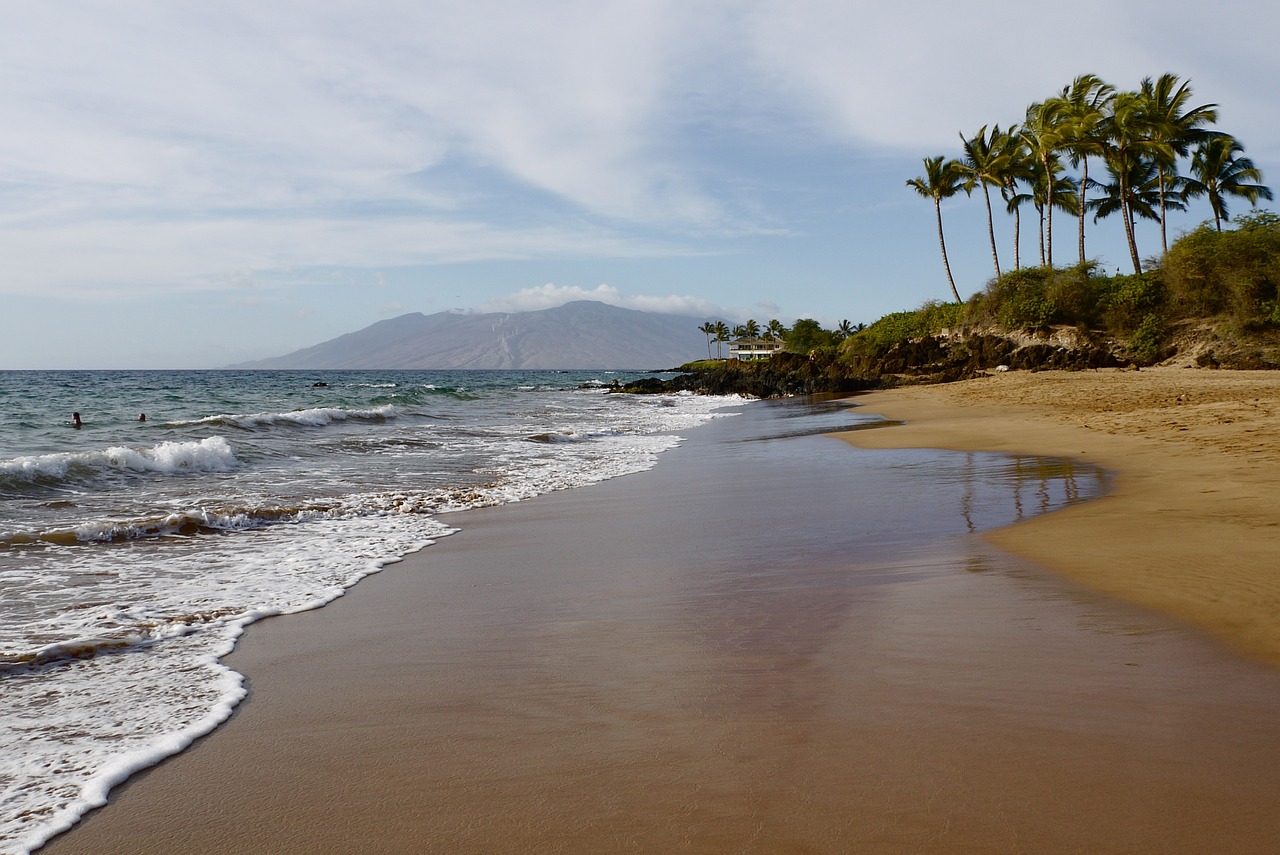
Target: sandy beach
point(733, 652)
point(1193, 528)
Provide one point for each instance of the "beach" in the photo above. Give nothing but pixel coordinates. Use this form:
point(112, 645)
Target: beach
point(758, 646)
point(1193, 529)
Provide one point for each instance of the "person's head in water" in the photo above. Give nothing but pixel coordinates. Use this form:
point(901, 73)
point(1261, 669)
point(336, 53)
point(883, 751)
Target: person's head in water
point(142, 417)
point(75, 420)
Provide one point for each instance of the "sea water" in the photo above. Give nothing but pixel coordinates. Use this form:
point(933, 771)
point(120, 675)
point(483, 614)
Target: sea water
point(133, 552)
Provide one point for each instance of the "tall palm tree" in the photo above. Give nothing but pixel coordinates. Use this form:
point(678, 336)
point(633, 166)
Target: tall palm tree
point(941, 180)
point(982, 165)
point(1217, 172)
point(708, 329)
point(751, 329)
point(1172, 130)
point(845, 329)
point(777, 329)
point(722, 335)
point(1085, 104)
point(1015, 168)
point(1128, 155)
point(1045, 132)
point(1057, 191)
point(1133, 193)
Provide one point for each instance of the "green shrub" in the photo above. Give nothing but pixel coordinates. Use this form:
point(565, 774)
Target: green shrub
point(929, 319)
point(1234, 273)
point(1037, 297)
point(1123, 303)
point(1148, 339)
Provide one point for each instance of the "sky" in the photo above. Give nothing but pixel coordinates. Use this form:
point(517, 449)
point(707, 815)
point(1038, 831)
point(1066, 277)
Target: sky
point(194, 184)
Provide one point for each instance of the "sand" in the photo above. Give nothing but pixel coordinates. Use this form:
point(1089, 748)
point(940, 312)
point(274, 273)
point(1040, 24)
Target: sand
point(1193, 527)
point(708, 657)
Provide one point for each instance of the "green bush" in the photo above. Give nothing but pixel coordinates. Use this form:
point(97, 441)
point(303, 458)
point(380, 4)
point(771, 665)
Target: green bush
point(1037, 297)
point(1123, 303)
point(1148, 339)
point(1234, 273)
point(929, 319)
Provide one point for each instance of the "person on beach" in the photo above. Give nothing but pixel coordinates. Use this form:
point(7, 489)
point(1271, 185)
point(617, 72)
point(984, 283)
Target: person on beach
point(75, 421)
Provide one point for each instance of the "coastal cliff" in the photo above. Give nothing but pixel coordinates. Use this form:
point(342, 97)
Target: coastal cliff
point(958, 355)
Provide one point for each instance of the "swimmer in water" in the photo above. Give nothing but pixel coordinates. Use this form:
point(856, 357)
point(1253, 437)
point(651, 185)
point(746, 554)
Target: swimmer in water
point(142, 417)
point(75, 420)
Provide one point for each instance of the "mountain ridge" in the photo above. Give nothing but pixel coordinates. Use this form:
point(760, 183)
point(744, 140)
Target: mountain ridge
point(583, 334)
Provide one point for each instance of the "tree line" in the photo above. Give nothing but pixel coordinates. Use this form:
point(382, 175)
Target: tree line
point(803, 336)
point(1143, 139)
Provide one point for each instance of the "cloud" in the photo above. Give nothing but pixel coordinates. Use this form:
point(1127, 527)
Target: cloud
point(549, 296)
point(150, 147)
point(912, 75)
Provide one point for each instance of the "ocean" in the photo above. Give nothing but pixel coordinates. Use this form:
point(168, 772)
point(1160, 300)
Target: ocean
point(133, 552)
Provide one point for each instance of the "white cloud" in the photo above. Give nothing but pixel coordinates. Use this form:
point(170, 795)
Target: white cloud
point(913, 74)
point(150, 147)
point(549, 296)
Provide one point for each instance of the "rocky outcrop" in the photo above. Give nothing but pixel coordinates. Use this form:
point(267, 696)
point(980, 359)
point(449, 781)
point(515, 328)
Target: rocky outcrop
point(953, 356)
point(932, 359)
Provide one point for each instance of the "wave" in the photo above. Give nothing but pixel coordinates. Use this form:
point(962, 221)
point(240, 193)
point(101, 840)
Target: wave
point(181, 524)
point(213, 454)
point(313, 417)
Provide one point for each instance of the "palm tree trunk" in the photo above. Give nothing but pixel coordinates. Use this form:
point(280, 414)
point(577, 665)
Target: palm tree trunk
point(1017, 239)
point(1126, 213)
point(1131, 236)
point(942, 241)
point(1084, 182)
point(1040, 209)
point(1048, 195)
point(1164, 236)
point(991, 233)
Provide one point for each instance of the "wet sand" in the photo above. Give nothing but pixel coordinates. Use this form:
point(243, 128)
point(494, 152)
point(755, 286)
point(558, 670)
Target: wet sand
point(1193, 528)
point(733, 652)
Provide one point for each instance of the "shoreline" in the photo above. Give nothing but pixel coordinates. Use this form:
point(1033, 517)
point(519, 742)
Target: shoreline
point(1191, 528)
point(640, 665)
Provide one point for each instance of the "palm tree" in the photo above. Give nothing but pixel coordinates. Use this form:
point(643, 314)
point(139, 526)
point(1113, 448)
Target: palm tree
point(777, 329)
point(982, 166)
point(1128, 156)
point(941, 180)
point(1218, 172)
point(1015, 168)
point(708, 329)
point(1085, 104)
point(1058, 191)
point(845, 329)
point(1172, 132)
point(1135, 192)
point(722, 335)
point(1045, 133)
point(751, 329)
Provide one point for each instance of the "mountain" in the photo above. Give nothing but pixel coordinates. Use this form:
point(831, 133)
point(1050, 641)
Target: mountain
point(583, 334)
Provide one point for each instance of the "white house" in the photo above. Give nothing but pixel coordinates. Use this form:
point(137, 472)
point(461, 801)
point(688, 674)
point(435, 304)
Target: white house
point(754, 348)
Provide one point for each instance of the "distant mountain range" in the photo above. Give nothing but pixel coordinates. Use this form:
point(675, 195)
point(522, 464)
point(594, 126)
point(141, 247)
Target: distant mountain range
point(583, 334)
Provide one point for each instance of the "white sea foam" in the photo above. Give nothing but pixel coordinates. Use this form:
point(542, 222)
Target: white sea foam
point(213, 454)
point(98, 712)
point(312, 417)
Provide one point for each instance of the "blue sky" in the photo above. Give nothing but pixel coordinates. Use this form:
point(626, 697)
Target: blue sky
point(187, 185)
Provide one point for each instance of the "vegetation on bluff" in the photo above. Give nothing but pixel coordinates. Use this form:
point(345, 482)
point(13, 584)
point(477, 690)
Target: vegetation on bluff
point(1212, 296)
point(1213, 289)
